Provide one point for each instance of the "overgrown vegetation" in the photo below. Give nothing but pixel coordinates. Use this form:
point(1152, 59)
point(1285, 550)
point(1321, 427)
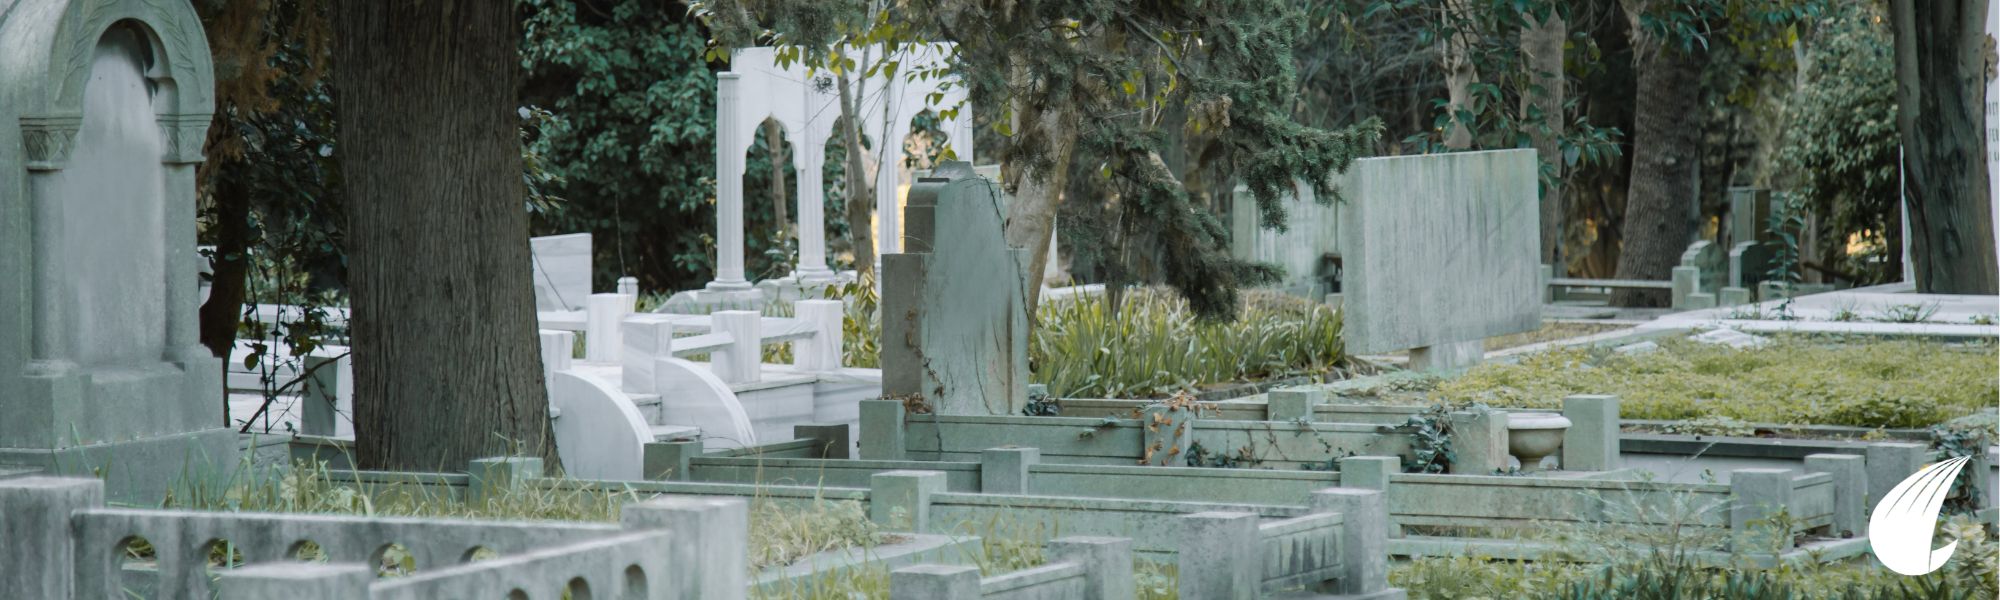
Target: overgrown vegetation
point(1796, 379)
point(1152, 345)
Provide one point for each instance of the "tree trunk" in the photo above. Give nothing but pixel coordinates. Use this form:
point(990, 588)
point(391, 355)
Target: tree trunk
point(447, 364)
point(223, 312)
point(1666, 147)
point(1940, 94)
point(1459, 74)
point(1031, 218)
point(860, 197)
point(774, 146)
point(1542, 112)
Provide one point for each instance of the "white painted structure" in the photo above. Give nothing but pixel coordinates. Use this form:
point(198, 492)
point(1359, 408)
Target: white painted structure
point(806, 104)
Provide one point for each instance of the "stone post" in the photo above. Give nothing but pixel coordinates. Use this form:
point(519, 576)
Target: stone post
point(668, 461)
point(1759, 495)
point(882, 430)
point(646, 338)
point(629, 286)
point(1686, 280)
point(821, 352)
point(602, 335)
point(901, 500)
point(296, 581)
point(742, 362)
point(1006, 470)
point(558, 350)
point(1480, 438)
point(1548, 290)
point(1734, 296)
point(1850, 490)
point(1107, 564)
point(1364, 552)
point(934, 582)
point(832, 439)
point(719, 566)
point(1219, 556)
point(888, 239)
point(1368, 472)
point(489, 478)
point(729, 186)
point(1168, 436)
point(1592, 442)
point(38, 559)
point(1292, 404)
point(327, 395)
point(1889, 463)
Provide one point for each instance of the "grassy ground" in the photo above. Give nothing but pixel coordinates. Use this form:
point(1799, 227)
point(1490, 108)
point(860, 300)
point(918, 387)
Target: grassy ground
point(1797, 379)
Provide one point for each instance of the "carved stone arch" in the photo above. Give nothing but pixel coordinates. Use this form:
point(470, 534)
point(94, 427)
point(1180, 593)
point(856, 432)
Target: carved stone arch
point(179, 69)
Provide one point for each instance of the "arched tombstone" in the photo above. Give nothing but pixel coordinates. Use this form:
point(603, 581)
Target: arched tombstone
point(104, 106)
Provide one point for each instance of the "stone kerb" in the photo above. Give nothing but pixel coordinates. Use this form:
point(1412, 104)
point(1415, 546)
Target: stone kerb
point(1078, 568)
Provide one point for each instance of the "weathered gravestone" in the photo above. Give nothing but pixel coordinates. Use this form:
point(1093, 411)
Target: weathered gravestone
point(103, 109)
point(1439, 253)
point(954, 303)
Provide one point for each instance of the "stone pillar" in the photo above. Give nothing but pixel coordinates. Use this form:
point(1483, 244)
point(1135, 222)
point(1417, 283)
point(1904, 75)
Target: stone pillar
point(1372, 473)
point(1168, 436)
point(1759, 494)
point(1548, 292)
point(40, 553)
point(558, 350)
point(668, 461)
point(1220, 556)
point(1292, 404)
point(328, 395)
point(1686, 280)
point(811, 188)
point(629, 286)
point(719, 567)
point(1480, 439)
point(821, 352)
point(729, 186)
point(602, 338)
point(743, 361)
point(882, 430)
point(1592, 442)
point(1107, 564)
point(1364, 552)
point(901, 500)
point(645, 339)
point(296, 581)
point(832, 439)
point(489, 478)
point(1850, 490)
point(934, 582)
point(888, 240)
point(1889, 463)
point(1006, 470)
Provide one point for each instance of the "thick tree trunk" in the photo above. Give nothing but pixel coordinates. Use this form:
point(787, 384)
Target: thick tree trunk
point(774, 147)
point(1031, 218)
point(860, 197)
point(1459, 74)
point(447, 364)
point(223, 312)
point(1666, 148)
point(1542, 111)
point(1940, 94)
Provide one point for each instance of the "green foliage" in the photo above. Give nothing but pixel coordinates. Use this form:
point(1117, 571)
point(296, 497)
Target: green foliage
point(1154, 344)
point(1901, 383)
point(1432, 451)
point(1786, 223)
point(1841, 144)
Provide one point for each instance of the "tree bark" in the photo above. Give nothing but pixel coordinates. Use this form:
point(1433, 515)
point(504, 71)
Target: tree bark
point(447, 364)
point(1542, 112)
point(1031, 218)
point(1666, 147)
point(1459, 74)
point(1941, 76)
point(223, 312)
point(860, 197)
point(774, 146)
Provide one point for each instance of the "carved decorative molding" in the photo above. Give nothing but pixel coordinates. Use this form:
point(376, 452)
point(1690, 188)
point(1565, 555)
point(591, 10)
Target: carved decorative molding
point(182, 137)
point(49, 140)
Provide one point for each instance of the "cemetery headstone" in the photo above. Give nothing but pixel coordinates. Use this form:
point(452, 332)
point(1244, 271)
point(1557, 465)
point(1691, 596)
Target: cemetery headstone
point(103, 109)
point(562, 271)
point(954, 304)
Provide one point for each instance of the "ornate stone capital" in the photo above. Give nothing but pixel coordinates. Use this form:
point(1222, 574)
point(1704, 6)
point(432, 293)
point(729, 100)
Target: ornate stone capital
point(182, 136)
point(48, 140)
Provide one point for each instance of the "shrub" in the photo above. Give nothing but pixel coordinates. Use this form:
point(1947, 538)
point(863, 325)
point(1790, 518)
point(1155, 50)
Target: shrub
point(1153, 345)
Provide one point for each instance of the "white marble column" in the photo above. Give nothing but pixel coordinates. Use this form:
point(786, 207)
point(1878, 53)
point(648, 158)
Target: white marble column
point(809, 157)
point(728, 187)
point(895, 124)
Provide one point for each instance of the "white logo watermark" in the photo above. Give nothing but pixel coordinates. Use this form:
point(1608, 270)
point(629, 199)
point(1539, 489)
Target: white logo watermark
point(1900, 530)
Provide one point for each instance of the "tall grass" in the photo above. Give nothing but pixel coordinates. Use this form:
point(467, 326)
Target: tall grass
point(1153, 345)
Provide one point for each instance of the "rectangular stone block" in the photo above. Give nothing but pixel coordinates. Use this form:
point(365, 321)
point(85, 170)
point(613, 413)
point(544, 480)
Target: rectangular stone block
point(1889, 463)
point(1447, 357)
point(561, 270)
point(491, 478)
point(720, 563)
point(822, 351)
point(1369, 472)
point(934, 582)
point(1005, 470)
point(1220, 556)
point(295, 581)
point(1293, 404)
point(1686, 280)
point(1850, 490)
point(326, 403)
point(1364, 551)
point(647, 338)
point(1168, 436)
point(38, 559)
point(1759, 495)
point(833, 439)
point(602, 339)
point(901, 500)
point(1479, 438)
point(1734, 296)
point(1700, 301)
point(742, 362)
point(1592, 442)
point(882, 430)
point(1107, 564)
point(668, 461)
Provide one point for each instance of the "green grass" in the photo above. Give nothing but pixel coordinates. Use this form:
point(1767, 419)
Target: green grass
point(1797, 379)
point(1154, 346)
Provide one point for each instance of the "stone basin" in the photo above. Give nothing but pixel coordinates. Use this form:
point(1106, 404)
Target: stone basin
point(1533, 436)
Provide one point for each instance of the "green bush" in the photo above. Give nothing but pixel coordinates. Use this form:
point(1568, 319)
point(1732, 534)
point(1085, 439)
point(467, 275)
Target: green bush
point(1154, 345)
point(1813, 380)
